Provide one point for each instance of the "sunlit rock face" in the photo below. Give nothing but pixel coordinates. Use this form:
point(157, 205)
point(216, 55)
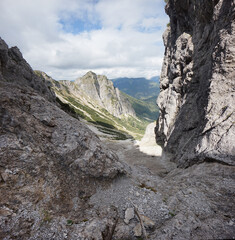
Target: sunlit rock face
point(104, 94)
point(197, 110)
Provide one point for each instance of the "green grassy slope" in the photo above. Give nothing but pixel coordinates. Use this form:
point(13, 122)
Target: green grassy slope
point(120, 128)
point(145, 109)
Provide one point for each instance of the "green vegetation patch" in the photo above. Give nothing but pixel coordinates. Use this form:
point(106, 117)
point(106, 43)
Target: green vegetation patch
point(69, 222)
point(120, 128)
point(172, 214)
point(145, 109)
point(143, 185)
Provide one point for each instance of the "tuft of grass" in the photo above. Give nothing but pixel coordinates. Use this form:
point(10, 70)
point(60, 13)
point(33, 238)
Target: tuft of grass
point(46, 216)
point(69, 222)
point(143, 185)
point(172, 214)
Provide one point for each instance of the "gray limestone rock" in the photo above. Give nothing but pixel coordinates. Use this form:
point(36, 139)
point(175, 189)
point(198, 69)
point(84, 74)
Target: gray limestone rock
point(95, 91)
point(137, 230)
point(129, 214)
point(102, 91)
point(197, 110)
point(50, 163)
point(14, 69)
point(200, 202)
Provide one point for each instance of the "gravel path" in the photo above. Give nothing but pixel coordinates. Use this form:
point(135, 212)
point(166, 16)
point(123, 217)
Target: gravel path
point(145, 153)
point(129, 152)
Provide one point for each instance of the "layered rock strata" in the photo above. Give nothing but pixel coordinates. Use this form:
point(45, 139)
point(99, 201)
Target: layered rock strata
point(197, 110)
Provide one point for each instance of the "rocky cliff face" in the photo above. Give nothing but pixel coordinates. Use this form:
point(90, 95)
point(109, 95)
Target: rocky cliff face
point(101, 90)
point(197, 110)
point(50, 163)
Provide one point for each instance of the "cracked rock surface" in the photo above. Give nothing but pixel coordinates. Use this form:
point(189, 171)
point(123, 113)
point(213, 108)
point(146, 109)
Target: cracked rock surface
point(197, 110)
point(50, 163)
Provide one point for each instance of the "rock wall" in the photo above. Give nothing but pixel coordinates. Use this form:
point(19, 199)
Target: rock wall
point(197, 110)
point(50, 163)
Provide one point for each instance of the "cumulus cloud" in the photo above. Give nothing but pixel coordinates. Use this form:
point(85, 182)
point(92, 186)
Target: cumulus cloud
point(67, 38)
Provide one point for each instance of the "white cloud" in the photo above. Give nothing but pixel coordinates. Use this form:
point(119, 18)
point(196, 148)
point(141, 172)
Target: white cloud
point(127, 42)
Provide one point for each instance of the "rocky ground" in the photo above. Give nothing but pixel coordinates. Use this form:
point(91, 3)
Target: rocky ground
point(59, 181)
point(192, 203)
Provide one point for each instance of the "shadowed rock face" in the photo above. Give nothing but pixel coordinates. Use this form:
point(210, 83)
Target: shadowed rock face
point(197, 110)
point(50, 163)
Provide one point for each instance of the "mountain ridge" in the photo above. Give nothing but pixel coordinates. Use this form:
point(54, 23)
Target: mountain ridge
point(95, 99)
point(103, 92)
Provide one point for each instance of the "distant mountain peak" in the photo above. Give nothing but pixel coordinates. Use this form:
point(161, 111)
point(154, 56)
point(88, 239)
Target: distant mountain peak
point(99, 91)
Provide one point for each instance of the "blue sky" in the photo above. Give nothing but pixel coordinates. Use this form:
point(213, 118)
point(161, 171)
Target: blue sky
point(67, 38)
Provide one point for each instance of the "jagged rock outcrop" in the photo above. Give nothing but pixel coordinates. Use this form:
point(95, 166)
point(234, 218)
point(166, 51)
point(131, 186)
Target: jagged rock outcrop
point(14, 69)
point(197, 110)
point(50, 163)
point(102, 91)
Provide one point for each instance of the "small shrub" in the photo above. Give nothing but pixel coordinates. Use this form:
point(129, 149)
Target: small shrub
point(46, 216)
point(164, 200)
point(69, 222)
point(143, 185)
point(172, 214)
